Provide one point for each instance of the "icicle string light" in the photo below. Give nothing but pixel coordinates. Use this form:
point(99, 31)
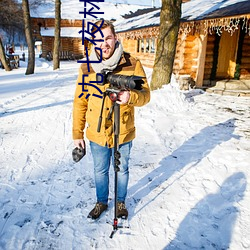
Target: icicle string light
point(206, 27)
point(218, 25)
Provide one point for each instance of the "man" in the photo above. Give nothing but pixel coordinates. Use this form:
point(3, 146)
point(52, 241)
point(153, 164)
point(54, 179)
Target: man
point(87, 109)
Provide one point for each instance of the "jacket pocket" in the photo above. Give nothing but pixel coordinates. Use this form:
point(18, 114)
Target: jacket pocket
point(127, 120)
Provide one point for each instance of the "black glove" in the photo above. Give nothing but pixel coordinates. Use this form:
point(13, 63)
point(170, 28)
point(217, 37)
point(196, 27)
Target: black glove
point(78, 153)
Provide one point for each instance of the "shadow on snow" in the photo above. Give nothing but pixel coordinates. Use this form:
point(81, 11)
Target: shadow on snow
point(190, 153)
point(209, 225)
point(23, 110)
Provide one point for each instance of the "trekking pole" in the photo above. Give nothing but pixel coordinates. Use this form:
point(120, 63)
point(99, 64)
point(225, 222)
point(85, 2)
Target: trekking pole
point(117, 156)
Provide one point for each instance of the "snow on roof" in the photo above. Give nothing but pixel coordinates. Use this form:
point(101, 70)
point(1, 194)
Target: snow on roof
point(197, 9)
point(70, 10)
point(192, 10)
point(146, 20)
point(65, 32)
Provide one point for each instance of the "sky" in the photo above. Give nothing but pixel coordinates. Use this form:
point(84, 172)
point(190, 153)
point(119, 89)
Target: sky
point(189, 169)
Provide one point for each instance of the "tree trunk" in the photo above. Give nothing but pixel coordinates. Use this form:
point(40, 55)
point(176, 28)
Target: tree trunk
point(168, 34)
point(29, 38)
point(3, 57)
point(56, 59)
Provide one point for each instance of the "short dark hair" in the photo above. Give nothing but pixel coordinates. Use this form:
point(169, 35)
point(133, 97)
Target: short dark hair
point(106, 24)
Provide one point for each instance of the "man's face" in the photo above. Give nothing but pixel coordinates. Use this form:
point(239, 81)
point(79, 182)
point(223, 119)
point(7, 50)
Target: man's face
point(108, 45)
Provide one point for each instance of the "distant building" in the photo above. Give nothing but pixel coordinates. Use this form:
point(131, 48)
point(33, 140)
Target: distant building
point(71, 40)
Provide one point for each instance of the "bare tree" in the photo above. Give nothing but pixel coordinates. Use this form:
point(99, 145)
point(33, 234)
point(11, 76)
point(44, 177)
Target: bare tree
point(28, 33)
point(168, 34)
point(56, 59)
point(11, 16)
point(36, 3)
point(3, 57)
point(11, 24)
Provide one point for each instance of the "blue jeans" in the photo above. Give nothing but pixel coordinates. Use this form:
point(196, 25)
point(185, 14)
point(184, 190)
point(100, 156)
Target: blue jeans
point(102, 158)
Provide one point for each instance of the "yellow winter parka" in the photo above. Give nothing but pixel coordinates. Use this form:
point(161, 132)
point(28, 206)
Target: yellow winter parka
point(87, 108)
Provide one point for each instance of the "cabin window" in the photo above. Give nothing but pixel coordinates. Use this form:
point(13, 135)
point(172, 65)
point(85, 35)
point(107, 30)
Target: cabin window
point(146, 45)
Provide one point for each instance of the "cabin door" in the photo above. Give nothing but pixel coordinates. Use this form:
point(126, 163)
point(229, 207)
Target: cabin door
point(227, 55)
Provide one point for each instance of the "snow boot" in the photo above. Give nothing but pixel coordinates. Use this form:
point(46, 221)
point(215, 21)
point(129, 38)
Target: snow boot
point(122, 211)
point(97, 210)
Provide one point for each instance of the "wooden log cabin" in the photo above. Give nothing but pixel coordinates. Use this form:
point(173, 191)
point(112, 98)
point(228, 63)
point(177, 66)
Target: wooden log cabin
point(71, 42)
point(212, 45)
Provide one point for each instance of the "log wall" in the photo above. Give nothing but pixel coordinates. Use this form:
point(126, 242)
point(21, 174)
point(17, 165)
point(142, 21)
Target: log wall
point(178, 61)
point(73, 45)
point(186, 56)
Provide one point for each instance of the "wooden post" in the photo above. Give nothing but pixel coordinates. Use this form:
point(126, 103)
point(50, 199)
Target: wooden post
point(201, 60)
point(140, 42)
point(144, 45)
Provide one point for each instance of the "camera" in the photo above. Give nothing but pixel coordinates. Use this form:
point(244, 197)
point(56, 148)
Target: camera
point(119, 81)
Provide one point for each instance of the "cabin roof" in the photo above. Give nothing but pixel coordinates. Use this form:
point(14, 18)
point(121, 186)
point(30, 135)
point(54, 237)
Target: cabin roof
point(70, 10)
point(208, 9)
point(194, 10)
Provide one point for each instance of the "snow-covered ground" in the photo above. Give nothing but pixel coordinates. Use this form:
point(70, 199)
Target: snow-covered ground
point(189, 170)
